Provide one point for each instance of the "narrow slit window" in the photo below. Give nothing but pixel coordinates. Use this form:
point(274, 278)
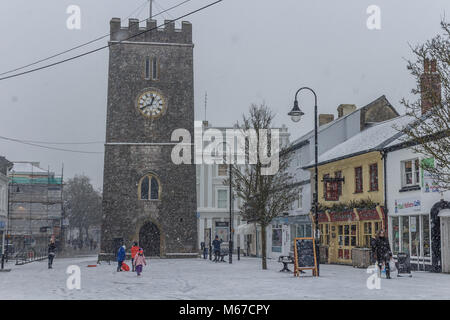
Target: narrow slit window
point(154, 191)
point(147, 68)
point(155, 69)
point(144, 188)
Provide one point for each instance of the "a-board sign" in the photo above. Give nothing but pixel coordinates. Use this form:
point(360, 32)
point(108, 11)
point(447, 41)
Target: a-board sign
point(305, 255)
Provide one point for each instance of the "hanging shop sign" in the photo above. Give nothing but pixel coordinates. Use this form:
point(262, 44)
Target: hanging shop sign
point(407, 205)
point(342, 216)
point(368, 215)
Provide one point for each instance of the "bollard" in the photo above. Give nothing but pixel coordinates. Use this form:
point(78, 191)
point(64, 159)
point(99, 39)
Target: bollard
point(239, 253)
point(210, 252)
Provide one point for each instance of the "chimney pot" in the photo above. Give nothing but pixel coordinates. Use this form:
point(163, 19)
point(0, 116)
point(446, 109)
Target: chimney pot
point(325, 118)
point(344, 109)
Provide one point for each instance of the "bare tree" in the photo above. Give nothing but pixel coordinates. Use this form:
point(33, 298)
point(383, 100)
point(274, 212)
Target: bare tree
point(83, 204)
point(264, 197)
point(430, 133)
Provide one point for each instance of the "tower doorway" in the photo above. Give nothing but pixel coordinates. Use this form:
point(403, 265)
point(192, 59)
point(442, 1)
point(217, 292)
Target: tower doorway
point(150, 239)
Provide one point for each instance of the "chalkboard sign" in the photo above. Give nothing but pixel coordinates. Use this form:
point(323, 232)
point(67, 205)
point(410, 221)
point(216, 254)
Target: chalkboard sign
point(305, 255)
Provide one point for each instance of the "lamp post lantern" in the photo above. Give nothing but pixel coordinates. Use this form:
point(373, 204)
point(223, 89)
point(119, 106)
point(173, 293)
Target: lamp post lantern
point(296, 115)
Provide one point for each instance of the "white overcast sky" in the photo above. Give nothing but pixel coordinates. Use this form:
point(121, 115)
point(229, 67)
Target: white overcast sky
point(246, 51)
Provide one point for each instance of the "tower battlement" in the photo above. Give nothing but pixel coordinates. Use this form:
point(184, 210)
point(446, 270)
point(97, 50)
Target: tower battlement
point(168, 34)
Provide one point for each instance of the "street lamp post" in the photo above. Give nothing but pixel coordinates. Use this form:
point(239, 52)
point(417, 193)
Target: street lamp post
point(230, 244)
point(296, 115)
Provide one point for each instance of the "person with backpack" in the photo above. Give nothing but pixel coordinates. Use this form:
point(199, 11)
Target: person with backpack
point(139, 261)
point(216, 244)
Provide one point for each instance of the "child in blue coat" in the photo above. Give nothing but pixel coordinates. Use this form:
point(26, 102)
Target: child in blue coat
point(120, 257)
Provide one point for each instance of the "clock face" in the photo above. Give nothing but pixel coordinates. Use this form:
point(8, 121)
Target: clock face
point(151, 104)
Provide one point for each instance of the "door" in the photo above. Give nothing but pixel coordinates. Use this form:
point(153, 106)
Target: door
point(347, 234)
point(150, 240)
point(445, 244)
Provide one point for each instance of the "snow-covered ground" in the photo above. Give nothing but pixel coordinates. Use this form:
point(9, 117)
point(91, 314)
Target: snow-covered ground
point(203, 279)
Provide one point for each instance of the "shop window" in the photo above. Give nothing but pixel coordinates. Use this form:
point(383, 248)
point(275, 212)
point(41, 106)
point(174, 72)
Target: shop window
point(426, 235)
point(373, 169)
point(276, 238)
point(405, 234)
point(410, 172)
point(222, 230)
point(222, 199)
point(324, 229)
point(395, 235)
point(308, 230)
point(358, 180)
point(415, 237)
point(368, 233)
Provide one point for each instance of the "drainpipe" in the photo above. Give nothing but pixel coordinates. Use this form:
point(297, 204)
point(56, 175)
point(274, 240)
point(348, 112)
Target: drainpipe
point(384, 157)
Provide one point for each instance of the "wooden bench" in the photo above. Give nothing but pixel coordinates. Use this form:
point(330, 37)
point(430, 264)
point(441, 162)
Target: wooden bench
point(286, 260)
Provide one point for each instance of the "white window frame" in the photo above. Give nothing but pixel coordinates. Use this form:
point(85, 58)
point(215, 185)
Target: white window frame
point(298, 159)
point(413, 172)
point(300, 199)
point(227, 206)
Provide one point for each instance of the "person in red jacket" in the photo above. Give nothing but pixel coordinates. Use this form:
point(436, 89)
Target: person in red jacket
point(134, 252)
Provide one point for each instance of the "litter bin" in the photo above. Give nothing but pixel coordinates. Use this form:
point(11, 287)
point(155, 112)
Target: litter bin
point(403, 264)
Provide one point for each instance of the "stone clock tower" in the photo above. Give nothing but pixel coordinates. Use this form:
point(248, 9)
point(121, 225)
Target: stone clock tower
point(146, 197)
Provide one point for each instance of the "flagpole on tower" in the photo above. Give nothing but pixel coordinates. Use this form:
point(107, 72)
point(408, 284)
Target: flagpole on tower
point(150, 8)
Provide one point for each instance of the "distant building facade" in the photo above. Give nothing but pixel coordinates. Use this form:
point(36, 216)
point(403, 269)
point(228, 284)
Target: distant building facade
point(35, 203)
point(5, 166)
point(213, 203)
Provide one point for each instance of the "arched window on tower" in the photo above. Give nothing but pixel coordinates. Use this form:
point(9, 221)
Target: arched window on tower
point(149, 188)
point(151, 68)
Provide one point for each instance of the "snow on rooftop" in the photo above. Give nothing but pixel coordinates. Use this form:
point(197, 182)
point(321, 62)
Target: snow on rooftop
point(368, 139)
point(27, 167)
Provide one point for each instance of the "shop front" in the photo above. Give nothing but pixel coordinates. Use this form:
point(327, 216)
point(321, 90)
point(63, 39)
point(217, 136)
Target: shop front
point(421, 233)
point(341, 232)
point(283, 231)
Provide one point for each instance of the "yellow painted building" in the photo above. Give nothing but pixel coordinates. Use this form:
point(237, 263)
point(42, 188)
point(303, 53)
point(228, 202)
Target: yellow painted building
point(351, 198)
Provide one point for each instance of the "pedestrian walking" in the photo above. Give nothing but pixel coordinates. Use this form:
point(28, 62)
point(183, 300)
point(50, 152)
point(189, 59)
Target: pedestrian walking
point(134, 252)
point(204, 250)
point(139, 261)
point(51, 252)
point(216, 244)
point(120, 257)
point(382, 252)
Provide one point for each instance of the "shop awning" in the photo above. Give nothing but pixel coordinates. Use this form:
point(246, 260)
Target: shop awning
point(246, 228)
point(444, 213)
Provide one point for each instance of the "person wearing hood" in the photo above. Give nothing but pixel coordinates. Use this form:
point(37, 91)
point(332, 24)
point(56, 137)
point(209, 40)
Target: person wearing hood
point(120, 257)
point(382, 252)
point(51, 253)
point(139, 261)
point(134, 252)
